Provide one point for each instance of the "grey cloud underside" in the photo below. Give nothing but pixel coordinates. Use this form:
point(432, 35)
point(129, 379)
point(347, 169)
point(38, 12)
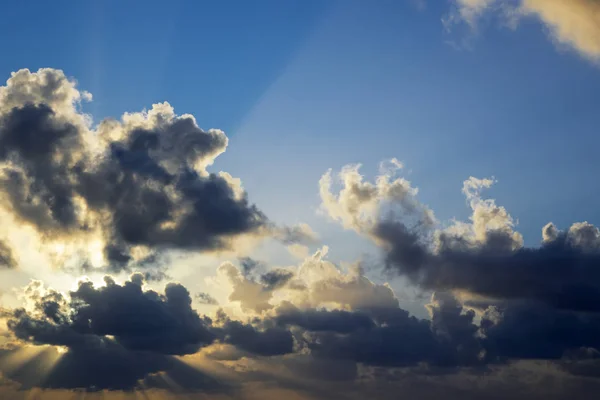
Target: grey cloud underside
point(146, 328)
point(139, 320)
point(140, 330)
point(36, 185)
point(271, 341)
point(337, 321)
point(389, 336)
point(136, 320)
point(563, 272)
point(536, 303)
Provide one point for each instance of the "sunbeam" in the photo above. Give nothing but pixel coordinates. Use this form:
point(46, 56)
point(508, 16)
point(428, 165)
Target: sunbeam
point(16, 358)
point(32, 364)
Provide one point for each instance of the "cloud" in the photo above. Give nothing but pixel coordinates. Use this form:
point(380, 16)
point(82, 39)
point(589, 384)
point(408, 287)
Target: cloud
point(251, 295)
point(570, 23)
point(141, 330)
point(393, 337)
point(486, 256)
point(135, 319)
point(533, 302)
point(271, 341)
point(526, 330)
point(359, 324)
point(140, 182)
point(358, 204)
point(339, 321)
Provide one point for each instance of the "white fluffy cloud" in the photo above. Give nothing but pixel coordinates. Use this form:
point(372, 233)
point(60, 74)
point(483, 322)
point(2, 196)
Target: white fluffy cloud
point(359, 203)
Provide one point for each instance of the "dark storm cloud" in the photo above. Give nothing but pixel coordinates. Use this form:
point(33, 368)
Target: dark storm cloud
point(404, 341)
point(529, 330)
point(137, 319)
point(271, 341)
point(7, 257)
point(38, 150)
point(138, 330)
point(563, 272)
point(390, 336)
point(322, 320)
point(454, 326)
point(154, 207)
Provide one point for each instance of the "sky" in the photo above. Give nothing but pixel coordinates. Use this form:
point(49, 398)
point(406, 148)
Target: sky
point(307, 198)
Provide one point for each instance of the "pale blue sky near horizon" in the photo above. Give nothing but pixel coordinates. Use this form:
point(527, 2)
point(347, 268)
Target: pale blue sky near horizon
point(303, 86)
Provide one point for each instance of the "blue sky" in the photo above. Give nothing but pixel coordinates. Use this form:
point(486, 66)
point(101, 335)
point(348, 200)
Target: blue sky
point(318, 84)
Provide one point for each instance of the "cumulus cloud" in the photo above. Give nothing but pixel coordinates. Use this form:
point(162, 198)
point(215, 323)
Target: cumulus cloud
point(338, 317)
point(494, 298)
point(570, 23)
point(127, 325)
point(251, 295)
point(528, 330)
point(359, 204)
point(136, 183)
point(270, 341)
point(136, 319)
point(486, 256)
point(339, 321)
point(393, 338)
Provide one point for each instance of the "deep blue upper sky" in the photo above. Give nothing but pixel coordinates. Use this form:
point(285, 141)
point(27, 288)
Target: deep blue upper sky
point(303, 86)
